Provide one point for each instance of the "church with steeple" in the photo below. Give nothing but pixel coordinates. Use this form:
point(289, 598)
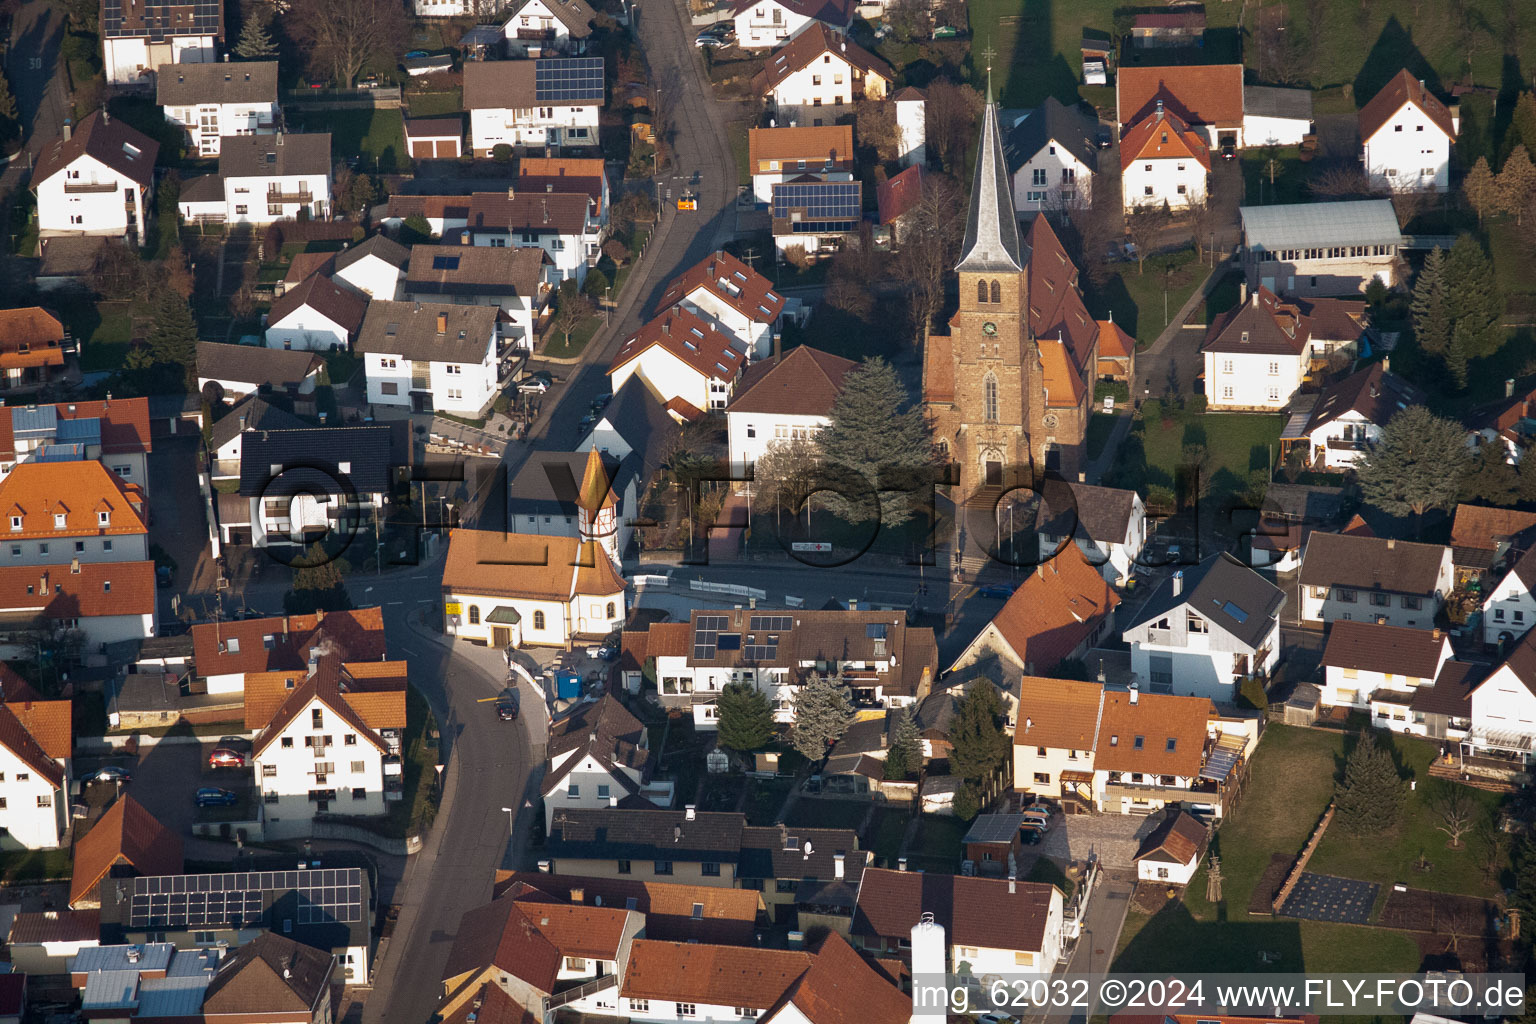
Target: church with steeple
point(1008, 389)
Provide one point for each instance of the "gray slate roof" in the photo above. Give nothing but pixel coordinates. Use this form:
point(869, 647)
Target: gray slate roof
point(409, 329)
point(255, 364)
point(612, 833)
point(386, 249)
point(1068, 127)
point(250, 156)
point(258, 414)
point(1224, 591)
point(1314, 225)
point(992, 243)
point(311, 461)
point(182, 85)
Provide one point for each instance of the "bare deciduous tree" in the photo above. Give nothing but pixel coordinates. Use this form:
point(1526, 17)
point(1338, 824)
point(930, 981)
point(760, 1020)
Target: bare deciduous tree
point(1342, 179)
point(1145, 225)
point(341, 36)
point(1203, 221)
point(1456, 810)
point(875, 126)
point(951, 116)
point(930, 243)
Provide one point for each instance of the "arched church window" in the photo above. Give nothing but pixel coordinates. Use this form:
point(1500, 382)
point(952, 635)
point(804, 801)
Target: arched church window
point(989, 397)
point(997, 292)
point(981, 291)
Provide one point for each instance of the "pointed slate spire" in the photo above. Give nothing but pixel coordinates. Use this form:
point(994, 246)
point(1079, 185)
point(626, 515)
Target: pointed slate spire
point(991, 227)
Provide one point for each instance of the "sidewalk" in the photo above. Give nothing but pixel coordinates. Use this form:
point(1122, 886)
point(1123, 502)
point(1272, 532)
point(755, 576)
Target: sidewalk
point(1187, 310)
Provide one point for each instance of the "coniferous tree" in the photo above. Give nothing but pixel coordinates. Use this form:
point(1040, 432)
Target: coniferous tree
point(876, 437)
point(1430, 307)
point(172, 338)
point(1367, 800)
point(317, 584)
point(1481, 190)
point(1522, 123)
point(1490, 478)
point(746, 718)
point(978, 743)
point(1473, 298)
point(1517, 183)
point(822, 714)
point(255, 41)
point(1456, 356)
point(905, 755)
point(1523, 896)
point(1417, 464)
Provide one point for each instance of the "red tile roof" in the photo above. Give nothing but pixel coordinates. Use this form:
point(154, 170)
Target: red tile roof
point(485, 562)
point(549, 174)
point(732, 282)
point(897, 195)
point(225, 648)
point(15, 737)
point(99, 588)
point(1155, 721)
point(528, 937)
point(1201, 94)
point(973, 911)
point(126, 834)
point(107, 140)
point(1403, 89)
point(714, 975)
point(1163, 136)
point(816, 145)
point(1065, 333)
point(726, 915)
point(1375, 647)
point(811, 44)
point(843, 988)
point(1263, 325)
point(1114, 343)
point(40, 491)
point(1054, 610)
point(693, 341)
point(1059, 714)
point(35, 329)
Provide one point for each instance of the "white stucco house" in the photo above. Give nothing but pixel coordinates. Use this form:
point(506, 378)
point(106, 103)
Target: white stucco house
point(297, 484)
point(1406, 134)
point(1205, 629)
point(819, 75)
point(682, 359)
point(85, 604)
point(61, 510)
point(1348, 416)
point(319, 315)
point(1256, 354)
point(564, 224)
point(552, 101)
point(1276, 117)
point(1503, 706)
point(1163, 161)
point(1108, 524)
point(780, 400)
point(599, 754)
point(731, 295)
point(545, 26)
point(432, 356)
point(36, 740)
point(373, 267)
point(209, 101)
point(136, 39)
point(1509, 607)
point(1052, 155)
point(779, 155)
point(1171, 852)
point(96, 179)
point(765, 24)
point(1364, 660)
point(1373, 579)
point(263, 178)
point(508, 278)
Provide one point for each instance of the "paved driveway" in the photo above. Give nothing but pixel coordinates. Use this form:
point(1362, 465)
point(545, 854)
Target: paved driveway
point(166, 778)
point(1112, 837)
point(179, 523)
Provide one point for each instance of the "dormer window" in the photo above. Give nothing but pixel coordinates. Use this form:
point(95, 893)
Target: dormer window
point(103, 518)
point(15, 522)
point(59, 521)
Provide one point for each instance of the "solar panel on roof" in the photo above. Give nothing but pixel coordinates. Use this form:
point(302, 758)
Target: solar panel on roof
point(821, 201)
point(568, 80)
point(729, 642)
point(772, 621)
point(445, 263)
point(705, 634)
point(237, 898)
point(875, 631)
point(1238, 615)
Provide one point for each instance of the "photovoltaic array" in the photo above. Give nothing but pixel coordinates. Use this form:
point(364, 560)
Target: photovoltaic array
point(568, 80)
point(820, 205)
point(237, 899)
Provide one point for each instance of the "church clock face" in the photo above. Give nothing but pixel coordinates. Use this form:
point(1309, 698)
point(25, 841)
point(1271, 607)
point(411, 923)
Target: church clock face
point(1050, 421)
point(989, 328)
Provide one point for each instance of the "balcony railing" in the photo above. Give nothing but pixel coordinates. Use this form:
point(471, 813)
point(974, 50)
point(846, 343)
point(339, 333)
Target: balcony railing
point(583, 990)
point(90, 186)
point(279, 196)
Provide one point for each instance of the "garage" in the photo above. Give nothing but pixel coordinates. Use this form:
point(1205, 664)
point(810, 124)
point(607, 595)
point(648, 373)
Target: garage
point(434, 138)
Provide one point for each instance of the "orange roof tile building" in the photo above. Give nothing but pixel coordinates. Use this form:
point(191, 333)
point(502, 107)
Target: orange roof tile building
point(33, 346)
point(680, 355)
point(35, 742)
point(127, 841)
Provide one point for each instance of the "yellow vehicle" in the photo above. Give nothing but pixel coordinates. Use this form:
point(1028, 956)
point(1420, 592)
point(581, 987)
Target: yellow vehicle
point(688, 201)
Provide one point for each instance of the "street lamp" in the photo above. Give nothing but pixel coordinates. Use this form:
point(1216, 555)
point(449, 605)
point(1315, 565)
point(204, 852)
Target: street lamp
point(511, 819)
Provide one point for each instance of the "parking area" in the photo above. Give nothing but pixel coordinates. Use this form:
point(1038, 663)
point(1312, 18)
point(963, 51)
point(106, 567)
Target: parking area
point(180, 524)
point(166, 778)
point(1112, 838)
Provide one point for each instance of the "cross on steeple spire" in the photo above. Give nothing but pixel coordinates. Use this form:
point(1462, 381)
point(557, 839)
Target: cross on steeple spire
point(987, 55)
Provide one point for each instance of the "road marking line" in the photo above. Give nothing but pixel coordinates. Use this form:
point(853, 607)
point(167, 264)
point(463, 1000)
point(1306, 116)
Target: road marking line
point(394, 602)
point(408, 651)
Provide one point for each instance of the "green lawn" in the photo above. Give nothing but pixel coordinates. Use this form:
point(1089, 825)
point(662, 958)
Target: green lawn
point(104, 333)
point(940, 843)
point(1239, 444)
point(1391, 858)
point(416, 809)
point(561, 348)
point(1289, 174)
point(436, 104)
point(378, 136)
point(1291, 782)
point(1223, 297)
point(738, 133)
point(34, 865)
point(1135, 295)
point(1511, 266)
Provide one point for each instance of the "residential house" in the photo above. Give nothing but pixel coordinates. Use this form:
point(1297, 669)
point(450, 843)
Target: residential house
point(317, 914)
point(296, 486)
point(896, 199)
point(96, 179)
point(563, 224)
point(809, 877)
point(777, 156)
point(548, 102)
point(1370, 579)
point(695, 847)
point(1290, 514)
point(1205, 629)
point(733, 297)
point(327, 740)
point(1443, 711)
point(1108, 524)
point(1376, 668)
point(263, 178)
point(1157, 749)
point(433, 356)
point(44, 941)
point(1163, 162)
point(512, 589)
point(815, 217)
point(911, 126)
point(1340, 331)
point(81, 606)
point(541, 27)
point(598, 755)
point(235, 371)
point(1117, 352)
point(212, 100)
point(373, 267)
point(1509, 607)
point(1348, 416)
point(818, 76)
point(994, 844)
point(1059, 611)
point(1056, 729)
point(1484, 538)
point(1171, 852)
point(766, 24)
point(673, 912)
point(579, 175)
point(1406, 134)
point(225, 653)
point(1256, 354)
point(1503, 709)
point(127, 841)
point(882, 660)
point(288, 980)
point(1207, 98)
point(779, 401)
point(1276, 117)
point(1174, 28)
point(136, 39)
point(994, 926)
point(69, 263)
point(510, 279)
point(318, 315)
point(681, 357)
point(1320, 248)
point(434, 138)
point(36, 742)
point(592, 496)
point(80, 510)
point(441, 214)
point(1052, 156)
point(33, 346)
point(114, 432)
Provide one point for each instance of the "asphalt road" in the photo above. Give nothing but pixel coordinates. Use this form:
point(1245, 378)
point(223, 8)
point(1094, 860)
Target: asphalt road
point(31, 66)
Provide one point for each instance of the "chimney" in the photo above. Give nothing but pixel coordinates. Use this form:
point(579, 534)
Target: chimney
point(1013, 884)
point(677, 833)
point(901, 863)
point(1386, 364)
point(1178, 583)
point(226, 58)
point(837, 865)
point(1509, 388)
point(314, 661)
point(1135, 694)
point(853, 604)
point(1242, 293)
point(578, 895)
point(69, 128)
point(544, 866)
point(690, 813)
point(511, 192)
point(442, 323)
point(1255, 299)
point(1391, 544)
point(243, 418)
point(1159, 110)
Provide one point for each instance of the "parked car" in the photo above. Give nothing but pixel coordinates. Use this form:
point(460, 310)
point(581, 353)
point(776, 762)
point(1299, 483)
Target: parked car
point(996, 1018)
point(1104, 138)
point(532, 386)
point(1039, 808)
point(111, 773)
point(163, 576)
point(1039, 822)
point(602, 400)
point(1030, 836)
point(415, 54)
point(213, 796)
point(506, 710)
point(587, 421)
point(706, 40)
point(223, 757)
point(1003, 590)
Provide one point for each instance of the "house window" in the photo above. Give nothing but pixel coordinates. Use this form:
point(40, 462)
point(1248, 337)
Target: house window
point(623, 867)
point(46, 800)
point(1414, 604)
point(349, 740)
point(1037, 176)
point(573, 790)
point(270, 798)
point(1274, 368)
point(602, 792)
point(662, 867)
point(1042, 779)
point(1498, 614)
point(359, 793)
point(1226, 391)
point(317, 718)
point(358, 767)
point(1138, 742)
point(576, 963)
point(1348, 596)
point(1146, 190)
point(710, 869)
point(268, 771)
point(538, 620)
point(639, 1006)
point(1162, 872)
point(1196, 624)
point(689, 1009)
point(287, 741)
point(1183, 189)
point(1381, 600)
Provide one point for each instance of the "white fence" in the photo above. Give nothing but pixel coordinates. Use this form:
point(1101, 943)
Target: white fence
point(651, 582)
point(735, 590)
